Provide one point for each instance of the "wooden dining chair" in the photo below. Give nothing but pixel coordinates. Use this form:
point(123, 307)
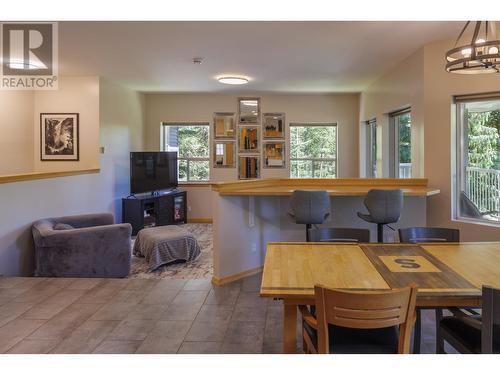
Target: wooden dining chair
point(474, 334)
point(359, 322)
point(420, 235)
point(339, 235)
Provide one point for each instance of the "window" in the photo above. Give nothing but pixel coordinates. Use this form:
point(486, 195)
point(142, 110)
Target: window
point(477, 192)
point(371, 148)
point(191, 141)
point(313, 150)
point(401, 123)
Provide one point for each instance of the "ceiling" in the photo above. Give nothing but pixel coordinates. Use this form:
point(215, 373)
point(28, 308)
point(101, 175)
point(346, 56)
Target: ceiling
point(286, 57)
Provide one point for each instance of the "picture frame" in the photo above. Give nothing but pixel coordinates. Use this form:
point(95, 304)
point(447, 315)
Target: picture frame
point(59, 137)
point(224, 154)
point(248, 139)
point(273, 125)
point(249, 111)
point(248, 167)
point(224, 125)
point(273, 154)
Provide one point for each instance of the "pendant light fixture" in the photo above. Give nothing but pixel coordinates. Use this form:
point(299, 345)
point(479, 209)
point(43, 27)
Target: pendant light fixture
point(478, 55)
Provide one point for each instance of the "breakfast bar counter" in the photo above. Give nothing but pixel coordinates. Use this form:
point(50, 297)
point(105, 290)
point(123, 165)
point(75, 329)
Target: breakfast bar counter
point(249, 214)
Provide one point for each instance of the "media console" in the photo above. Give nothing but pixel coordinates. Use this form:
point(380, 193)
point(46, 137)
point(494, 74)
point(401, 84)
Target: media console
point(145, 211)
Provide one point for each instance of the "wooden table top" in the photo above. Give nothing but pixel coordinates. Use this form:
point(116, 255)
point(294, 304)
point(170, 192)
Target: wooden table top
point(440, 270)
point(334, 186)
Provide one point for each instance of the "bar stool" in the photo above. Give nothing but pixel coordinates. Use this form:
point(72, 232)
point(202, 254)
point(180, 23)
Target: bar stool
point(309, 207)
point(384, 207)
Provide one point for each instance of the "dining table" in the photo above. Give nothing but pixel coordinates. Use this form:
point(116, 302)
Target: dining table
point(446, 274)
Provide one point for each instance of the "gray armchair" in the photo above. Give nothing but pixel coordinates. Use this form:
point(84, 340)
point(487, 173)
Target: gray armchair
point(82, 246)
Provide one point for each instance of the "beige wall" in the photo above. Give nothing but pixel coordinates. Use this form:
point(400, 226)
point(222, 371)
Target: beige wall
point(20, 125)
point(400, 87)
point(121, 131)
point(342, 109)
point(75, 95)
point(16, 129)
point(439, 88)
point(422, 82)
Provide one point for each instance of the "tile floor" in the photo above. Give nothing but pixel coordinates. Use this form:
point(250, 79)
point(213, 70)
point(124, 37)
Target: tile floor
point(44, 315)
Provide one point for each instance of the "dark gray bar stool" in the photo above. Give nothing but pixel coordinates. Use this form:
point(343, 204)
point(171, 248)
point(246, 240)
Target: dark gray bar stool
point(384, 207)
point(309, 207)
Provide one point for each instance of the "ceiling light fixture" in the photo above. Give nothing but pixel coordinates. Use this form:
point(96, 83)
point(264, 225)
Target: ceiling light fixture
point(479, 55)
point(233, 80)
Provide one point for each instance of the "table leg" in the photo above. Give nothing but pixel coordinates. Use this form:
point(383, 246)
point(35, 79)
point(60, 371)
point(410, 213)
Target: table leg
point(290, 329)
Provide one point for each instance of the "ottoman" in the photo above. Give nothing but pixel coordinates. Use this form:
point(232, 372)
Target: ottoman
point(166, 244)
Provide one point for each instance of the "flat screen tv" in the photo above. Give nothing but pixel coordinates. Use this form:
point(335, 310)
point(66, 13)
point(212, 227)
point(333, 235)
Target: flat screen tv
point(152, 171)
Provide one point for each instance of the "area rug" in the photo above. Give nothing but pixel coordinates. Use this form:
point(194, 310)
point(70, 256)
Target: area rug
point(200, 268)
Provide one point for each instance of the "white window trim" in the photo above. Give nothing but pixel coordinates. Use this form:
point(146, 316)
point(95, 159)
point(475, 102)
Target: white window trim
point(394, 144)
point(164, 125)
point(458, 149)
point(371, 157)
point(314, 124)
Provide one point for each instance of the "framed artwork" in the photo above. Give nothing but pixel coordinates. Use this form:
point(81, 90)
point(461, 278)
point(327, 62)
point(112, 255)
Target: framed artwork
point(59, 137)
point(274, 125)
point(224, 154)
point(224, 125)
point(249, 111)
point(248, 139)
point(248, 167)
point(274, 154)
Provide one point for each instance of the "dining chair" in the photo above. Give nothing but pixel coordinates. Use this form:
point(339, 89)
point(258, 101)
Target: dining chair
point(309, 207)
point(377, 322)
point(427, 234)
point(339, 235)
point(384, 207)
point(474, 334)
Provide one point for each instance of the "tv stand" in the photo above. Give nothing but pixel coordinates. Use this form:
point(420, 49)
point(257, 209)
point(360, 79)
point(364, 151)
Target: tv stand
point(154, 210)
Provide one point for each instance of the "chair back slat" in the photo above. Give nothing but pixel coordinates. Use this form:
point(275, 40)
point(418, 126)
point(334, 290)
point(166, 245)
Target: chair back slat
point(365, 310)
point(339, 235)
point(428, 234)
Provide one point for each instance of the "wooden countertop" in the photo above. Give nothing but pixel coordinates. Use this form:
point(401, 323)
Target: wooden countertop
point(335, 187)
point(6, 179)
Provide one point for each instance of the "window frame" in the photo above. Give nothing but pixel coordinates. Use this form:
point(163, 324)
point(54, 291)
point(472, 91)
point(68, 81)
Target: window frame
point(313, 124)
point(164, 126)
point(458, 172)
point(394, 144)
point(371, 151)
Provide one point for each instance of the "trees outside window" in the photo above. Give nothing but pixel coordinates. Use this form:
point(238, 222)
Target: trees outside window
point(313, 150)
point(401, 123)
point(191, 141)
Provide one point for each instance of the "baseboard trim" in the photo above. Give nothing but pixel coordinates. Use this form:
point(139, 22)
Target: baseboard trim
point(200, 220)
point(228, 279)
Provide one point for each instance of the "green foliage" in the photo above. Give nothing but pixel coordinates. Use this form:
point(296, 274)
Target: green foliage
point(313, 142)
point(484, 139)
point(193, 143)
point(405, 138)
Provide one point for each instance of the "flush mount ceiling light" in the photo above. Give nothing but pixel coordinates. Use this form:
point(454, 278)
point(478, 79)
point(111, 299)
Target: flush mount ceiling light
point(232, 80)
point(478, 55)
